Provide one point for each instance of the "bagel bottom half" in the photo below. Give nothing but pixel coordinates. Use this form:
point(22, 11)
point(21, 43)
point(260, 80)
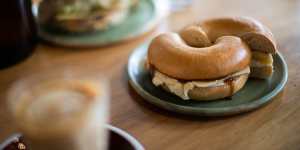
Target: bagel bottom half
point(202, 90)
point(261, 65)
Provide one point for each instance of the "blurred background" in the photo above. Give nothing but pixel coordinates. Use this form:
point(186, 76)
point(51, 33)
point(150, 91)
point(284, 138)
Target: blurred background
point(281, 16)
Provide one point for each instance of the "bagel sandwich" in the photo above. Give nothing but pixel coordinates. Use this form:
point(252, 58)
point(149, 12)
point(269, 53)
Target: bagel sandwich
point(206, 73)
point(212, 59)
point(78, 16)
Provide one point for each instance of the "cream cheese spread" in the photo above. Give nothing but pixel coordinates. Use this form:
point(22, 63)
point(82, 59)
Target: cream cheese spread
point(182, 89)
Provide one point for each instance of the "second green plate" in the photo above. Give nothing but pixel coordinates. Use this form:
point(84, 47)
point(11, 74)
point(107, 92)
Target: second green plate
point(141, 19)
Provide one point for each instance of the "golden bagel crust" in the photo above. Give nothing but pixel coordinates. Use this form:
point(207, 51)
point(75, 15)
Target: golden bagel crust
point(256, 35)
point(169, 54)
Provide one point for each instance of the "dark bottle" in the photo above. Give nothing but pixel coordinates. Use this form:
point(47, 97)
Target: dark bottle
point(18, 32)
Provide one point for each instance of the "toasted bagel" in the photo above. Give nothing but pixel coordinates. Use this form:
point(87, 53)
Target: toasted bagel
point(211, 52)
point(169, 54)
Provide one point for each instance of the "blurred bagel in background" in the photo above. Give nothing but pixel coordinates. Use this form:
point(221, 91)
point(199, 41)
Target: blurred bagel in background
point(78, 16)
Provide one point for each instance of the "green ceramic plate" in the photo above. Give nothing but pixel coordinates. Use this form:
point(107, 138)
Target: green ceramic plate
point(140, 20)
point(255, 94)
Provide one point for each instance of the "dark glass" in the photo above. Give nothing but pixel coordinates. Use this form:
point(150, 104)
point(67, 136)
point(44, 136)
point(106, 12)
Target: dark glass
point(18, 32)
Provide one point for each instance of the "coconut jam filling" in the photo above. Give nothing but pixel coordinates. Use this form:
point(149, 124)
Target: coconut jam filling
point(182, 89)
point(260, 59)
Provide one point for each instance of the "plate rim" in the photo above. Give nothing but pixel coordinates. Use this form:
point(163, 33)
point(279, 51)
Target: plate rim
point(133, 141)
point(204, 111)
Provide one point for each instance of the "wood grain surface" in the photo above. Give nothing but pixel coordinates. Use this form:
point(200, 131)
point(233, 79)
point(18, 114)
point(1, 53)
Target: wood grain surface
point(273, 127)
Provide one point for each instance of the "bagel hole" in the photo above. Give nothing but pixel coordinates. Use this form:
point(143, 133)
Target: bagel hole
point(196, 42)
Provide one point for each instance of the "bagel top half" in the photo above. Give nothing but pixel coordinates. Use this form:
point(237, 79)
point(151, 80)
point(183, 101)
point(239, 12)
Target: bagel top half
point(255, 34)
point(169, 54)
point(211, 49)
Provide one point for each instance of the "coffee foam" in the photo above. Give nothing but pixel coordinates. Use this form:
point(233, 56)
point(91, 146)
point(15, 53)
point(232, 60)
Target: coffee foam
point(58, 105)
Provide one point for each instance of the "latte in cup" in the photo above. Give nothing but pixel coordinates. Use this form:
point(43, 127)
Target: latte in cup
point(61, 114)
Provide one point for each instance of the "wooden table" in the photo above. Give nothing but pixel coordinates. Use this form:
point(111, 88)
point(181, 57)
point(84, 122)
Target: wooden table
point(273, 127)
